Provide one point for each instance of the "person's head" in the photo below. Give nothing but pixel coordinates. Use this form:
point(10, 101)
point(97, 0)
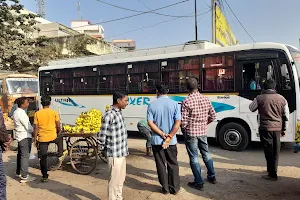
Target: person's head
point(120, 99)
point(23, 102)
point(270, 84)
point(162, 88)
point(46, 101)
point(192, 84)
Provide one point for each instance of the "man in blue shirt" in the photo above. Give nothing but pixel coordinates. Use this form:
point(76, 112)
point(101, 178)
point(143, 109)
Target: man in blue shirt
point(164, 119)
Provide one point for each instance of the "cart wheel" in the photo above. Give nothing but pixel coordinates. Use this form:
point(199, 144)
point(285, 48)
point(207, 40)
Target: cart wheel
point(53, 162)
point(83, 156)
point(102, 155)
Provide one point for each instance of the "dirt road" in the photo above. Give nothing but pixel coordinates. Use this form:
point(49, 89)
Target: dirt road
point(238, 175)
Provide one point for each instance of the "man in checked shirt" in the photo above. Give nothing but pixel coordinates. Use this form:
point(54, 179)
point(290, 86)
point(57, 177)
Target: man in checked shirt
point(113, 139)
point(197, 112)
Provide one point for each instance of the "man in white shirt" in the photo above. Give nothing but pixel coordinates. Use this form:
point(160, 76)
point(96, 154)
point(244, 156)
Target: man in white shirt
point(23, 130)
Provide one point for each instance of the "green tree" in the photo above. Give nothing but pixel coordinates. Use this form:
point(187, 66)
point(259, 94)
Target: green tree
point(17, 46)
point(20, 51)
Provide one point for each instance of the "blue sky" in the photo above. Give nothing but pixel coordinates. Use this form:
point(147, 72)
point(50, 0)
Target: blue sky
point(265, 20)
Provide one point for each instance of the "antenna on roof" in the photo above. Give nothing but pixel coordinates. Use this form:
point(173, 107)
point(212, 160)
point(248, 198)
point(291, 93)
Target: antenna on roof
point(78, 10)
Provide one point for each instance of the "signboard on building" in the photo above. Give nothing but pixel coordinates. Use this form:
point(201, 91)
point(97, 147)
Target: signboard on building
point(224, 34)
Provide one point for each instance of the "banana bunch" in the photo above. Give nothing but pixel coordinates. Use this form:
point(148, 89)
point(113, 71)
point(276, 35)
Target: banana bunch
point(297, 138)
point(87, 122)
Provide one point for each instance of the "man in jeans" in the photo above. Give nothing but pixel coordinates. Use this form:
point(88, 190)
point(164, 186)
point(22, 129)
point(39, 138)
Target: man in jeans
point(273, 113)
point(46, 130)
point(145, 130)
point(164, 118)
point(24, 132)
point(197, 112)
point(5, 141)
point(113, 139)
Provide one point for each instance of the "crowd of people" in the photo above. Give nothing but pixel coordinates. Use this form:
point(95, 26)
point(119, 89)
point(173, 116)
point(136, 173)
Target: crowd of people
point(164, 118)
point(46, 130)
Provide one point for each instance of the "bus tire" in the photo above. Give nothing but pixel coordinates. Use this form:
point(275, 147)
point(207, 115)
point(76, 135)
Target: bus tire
point(233, 137)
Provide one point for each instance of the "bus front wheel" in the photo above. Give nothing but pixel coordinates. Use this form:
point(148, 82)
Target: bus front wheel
point(233, 137)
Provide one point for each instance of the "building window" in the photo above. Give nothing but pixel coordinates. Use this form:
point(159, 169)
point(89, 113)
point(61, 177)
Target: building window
point(218, 73)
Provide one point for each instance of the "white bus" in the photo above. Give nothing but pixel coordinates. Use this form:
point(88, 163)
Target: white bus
point(224, 74)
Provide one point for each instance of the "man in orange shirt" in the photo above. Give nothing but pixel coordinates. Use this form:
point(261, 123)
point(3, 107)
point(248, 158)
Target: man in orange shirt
point(46, 130)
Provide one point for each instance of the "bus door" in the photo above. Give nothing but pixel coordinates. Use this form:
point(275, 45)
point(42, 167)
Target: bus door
point(253, 70)
point(286, 87)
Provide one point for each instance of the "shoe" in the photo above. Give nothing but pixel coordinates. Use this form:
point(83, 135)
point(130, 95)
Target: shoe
point(164, 191)
point(44, 180)
point(270, 178)
point(148, 151)
point(18, 175)
point(212, 181)
point(27, 179)
point(180, 191)
point(196, 186)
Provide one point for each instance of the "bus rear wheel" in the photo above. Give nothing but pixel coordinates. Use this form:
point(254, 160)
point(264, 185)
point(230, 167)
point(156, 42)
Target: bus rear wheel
point(233, 137)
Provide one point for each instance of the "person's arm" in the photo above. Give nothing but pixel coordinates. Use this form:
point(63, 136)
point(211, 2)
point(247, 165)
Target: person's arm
point(185, 111)
point(211, 114)
point(24, 120)
point(177, 122)
point(4, 137)
point(151, 124)
point(253, 106)
point(175, 128)
point(35, 134)
point(57, 123)
point(36, 129)
point(106, 122)
point(286, 115)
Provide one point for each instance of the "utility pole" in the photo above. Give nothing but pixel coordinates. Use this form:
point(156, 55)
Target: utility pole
point(196, 24)
point(213, 17)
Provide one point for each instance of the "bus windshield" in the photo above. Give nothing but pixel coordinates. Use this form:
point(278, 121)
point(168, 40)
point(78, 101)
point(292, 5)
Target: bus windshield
point(22, 85)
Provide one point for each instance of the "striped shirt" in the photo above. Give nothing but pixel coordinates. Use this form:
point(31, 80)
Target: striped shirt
point(113, 134)
point(197, 112)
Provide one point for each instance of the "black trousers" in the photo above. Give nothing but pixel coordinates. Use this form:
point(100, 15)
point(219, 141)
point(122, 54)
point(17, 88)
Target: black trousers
point(24, 149)
point(167, 167)
point(271, 143)
point(43, 152)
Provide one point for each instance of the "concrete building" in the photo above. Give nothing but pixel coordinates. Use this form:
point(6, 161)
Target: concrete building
point(85, 27)
point(128, 45)
point(64, 36)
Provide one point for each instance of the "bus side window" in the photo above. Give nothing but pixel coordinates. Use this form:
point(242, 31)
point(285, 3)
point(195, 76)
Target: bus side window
point(285, 77)
point(256, 73)
point(175, 72)
point(142, 77)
